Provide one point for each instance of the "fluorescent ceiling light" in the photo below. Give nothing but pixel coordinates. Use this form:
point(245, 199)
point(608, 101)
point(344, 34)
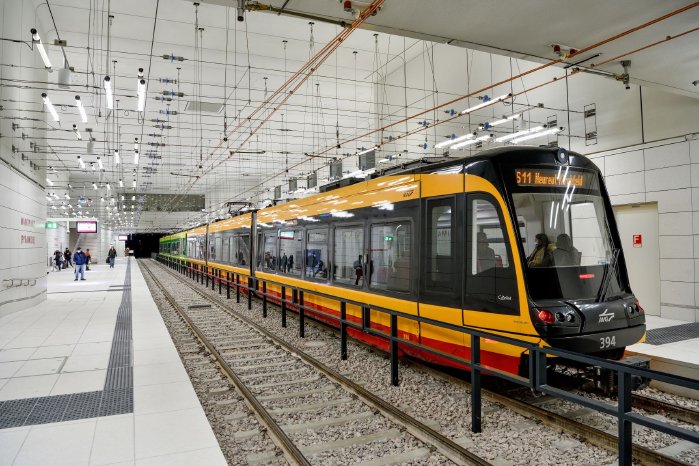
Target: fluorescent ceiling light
point(116, 157)
point(367, 150)
point(99, 162)
point(135, 157)
point(121, 183)
point(505, 119)
point(80, 160)
point(485, 104)
point(135, 144)
point(81, 109)
point(50, 106)
point(454, 141)
point(77, 133)
point(537, 135)
point(507, 137)
point(108, 92)
point(134, 183)
point(37, 41)
point(94, 186)
point(471, 141)
point(141, 92)
point(49, 181)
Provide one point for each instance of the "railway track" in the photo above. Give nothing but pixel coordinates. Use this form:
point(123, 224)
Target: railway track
point(581, 429)
point(295, 396)
point(680, 413)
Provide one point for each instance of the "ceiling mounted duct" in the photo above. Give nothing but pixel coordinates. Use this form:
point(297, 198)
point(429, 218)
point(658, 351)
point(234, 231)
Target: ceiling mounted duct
point(367, 160)
point(336, 170)
point(204, 107)
point(312, 180)
point(64, 78)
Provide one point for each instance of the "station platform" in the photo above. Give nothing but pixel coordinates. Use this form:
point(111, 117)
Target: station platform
point(672, 346)
point(91, 377)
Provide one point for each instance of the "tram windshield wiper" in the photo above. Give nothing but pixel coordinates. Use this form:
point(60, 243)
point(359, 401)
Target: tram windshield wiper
point(608, 272)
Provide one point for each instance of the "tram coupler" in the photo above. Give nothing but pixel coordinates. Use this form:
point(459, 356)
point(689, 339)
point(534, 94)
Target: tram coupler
point(605, 380)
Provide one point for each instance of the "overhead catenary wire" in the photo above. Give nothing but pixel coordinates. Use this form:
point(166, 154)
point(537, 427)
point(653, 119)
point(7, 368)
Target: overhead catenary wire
point(491, 86)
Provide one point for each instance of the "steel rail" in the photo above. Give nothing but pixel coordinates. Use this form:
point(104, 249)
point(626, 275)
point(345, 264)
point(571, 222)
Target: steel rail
point(592, 435)
point(291, 452)
point(674, 411)
point(441, 443)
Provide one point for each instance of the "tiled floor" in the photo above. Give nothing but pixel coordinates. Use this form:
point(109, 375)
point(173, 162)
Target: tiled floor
point(63, 345)
point(679, 358)
point(682, 351)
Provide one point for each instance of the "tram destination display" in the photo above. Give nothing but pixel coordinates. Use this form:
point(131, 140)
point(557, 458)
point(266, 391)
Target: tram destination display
point(552, 177)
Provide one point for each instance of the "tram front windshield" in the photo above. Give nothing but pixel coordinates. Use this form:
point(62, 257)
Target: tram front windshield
point(565, 234)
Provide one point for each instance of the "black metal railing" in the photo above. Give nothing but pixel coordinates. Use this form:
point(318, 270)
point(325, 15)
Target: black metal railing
point(537, 355)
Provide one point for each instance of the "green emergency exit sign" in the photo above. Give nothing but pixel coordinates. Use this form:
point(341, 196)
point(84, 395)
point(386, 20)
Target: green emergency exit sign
point(51, 225)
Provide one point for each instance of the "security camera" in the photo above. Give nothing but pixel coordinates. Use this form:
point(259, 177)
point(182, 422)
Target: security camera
point(695, 82)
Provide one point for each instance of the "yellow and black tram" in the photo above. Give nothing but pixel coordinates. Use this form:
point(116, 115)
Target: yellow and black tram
point(518, 241)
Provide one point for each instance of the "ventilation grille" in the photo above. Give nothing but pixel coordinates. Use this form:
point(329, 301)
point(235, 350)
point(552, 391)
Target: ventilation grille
point(204, 107)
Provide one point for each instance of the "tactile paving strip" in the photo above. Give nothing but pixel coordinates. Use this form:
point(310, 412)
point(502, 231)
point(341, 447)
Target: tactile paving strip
point(665, 335)
point(116, 398)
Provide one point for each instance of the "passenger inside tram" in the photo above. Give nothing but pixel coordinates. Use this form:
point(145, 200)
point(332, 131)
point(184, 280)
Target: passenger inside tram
point(485, 254)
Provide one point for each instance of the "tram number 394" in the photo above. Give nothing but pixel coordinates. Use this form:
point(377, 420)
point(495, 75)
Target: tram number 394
point(607, 342)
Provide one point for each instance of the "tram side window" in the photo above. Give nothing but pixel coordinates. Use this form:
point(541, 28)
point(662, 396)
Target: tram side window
point(290, 251)
point(201, 249)
point(225, 252)
point(440, 267)
point(242, 249)
point(216, 252)
point(389, 268)
point(490, 280)
point(349, 247)
point(317, 254)
point(269, 257)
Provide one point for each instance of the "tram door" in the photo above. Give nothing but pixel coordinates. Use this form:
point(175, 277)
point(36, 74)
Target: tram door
point(638, 227)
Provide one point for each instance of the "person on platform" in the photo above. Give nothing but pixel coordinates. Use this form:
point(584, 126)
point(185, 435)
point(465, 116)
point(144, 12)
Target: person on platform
point(57, 259)
point(89, 259)
point(111, 256)
point(66, 259)
point(358, 270)
point(79, 258)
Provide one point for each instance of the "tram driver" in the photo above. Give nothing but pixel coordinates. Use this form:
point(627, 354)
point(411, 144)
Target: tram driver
point(542, 256)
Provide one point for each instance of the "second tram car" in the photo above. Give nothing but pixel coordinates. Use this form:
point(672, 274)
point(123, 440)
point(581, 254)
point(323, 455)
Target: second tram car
point(518, 241)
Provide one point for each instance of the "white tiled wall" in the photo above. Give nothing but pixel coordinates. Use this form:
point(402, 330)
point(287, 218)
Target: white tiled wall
point(22, 171)
point(666, 173)
point(22, 241)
